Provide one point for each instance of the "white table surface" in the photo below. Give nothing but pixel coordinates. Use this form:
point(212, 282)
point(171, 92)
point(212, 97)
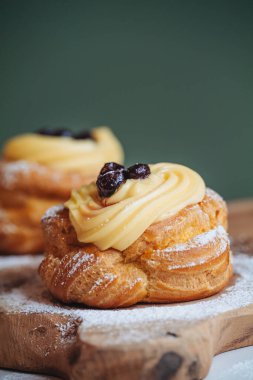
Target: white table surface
point(232, 365)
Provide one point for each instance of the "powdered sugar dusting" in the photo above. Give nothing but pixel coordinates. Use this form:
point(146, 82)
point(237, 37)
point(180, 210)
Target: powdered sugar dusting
point(31, 297)
point(10, 375)
point(212, 194)
point(201, 240)
point(74, 264)
point(11, 171)
point(207, 239)
point(67, 330)
point(10, 262)
point(78, 259)
point(52, 211)
point(9, 228)
point(106, 280)
point(235, 296)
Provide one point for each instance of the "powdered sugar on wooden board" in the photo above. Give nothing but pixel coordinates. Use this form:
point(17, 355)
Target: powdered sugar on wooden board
point(10, 375)
point(237, 295)
point(32, 297)
point(19, 261)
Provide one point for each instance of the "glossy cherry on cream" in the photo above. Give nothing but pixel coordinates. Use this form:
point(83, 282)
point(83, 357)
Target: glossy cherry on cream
point(111, 166)
point(109, 182)
point(112, 175)
point(138, 171)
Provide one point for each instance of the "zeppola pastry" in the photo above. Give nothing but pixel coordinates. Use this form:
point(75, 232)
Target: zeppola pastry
point(39, 170)
point(149, 233)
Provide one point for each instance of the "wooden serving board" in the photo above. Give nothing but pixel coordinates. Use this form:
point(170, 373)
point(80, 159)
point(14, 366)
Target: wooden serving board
point(144, 342)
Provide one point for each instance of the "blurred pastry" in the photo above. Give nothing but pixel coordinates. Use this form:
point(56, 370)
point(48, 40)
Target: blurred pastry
point(149, 233)
point(39, 170)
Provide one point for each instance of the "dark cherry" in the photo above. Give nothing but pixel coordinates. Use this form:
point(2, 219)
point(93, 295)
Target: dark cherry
point(109, 182)
point(111, 166)
point(112, 175)
point(48, 131)
point(83, 135)
point(138, 171)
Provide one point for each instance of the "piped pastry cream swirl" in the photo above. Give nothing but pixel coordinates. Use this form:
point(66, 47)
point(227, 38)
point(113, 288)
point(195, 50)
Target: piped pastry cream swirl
point(119, 220)
point(66, 153)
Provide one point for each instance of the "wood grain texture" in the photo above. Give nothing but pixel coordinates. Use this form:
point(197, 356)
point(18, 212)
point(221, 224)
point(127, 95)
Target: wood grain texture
point(161, 342)
point(241, 224)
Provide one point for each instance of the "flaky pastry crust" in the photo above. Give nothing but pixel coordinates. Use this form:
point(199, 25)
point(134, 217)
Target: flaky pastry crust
point(27, 190)
point(182, 258)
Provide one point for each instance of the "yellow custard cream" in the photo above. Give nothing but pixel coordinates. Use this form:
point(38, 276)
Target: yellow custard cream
point(65, 153)
point(119, 220)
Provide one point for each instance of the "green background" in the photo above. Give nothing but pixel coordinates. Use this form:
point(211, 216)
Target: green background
point(174, 79)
